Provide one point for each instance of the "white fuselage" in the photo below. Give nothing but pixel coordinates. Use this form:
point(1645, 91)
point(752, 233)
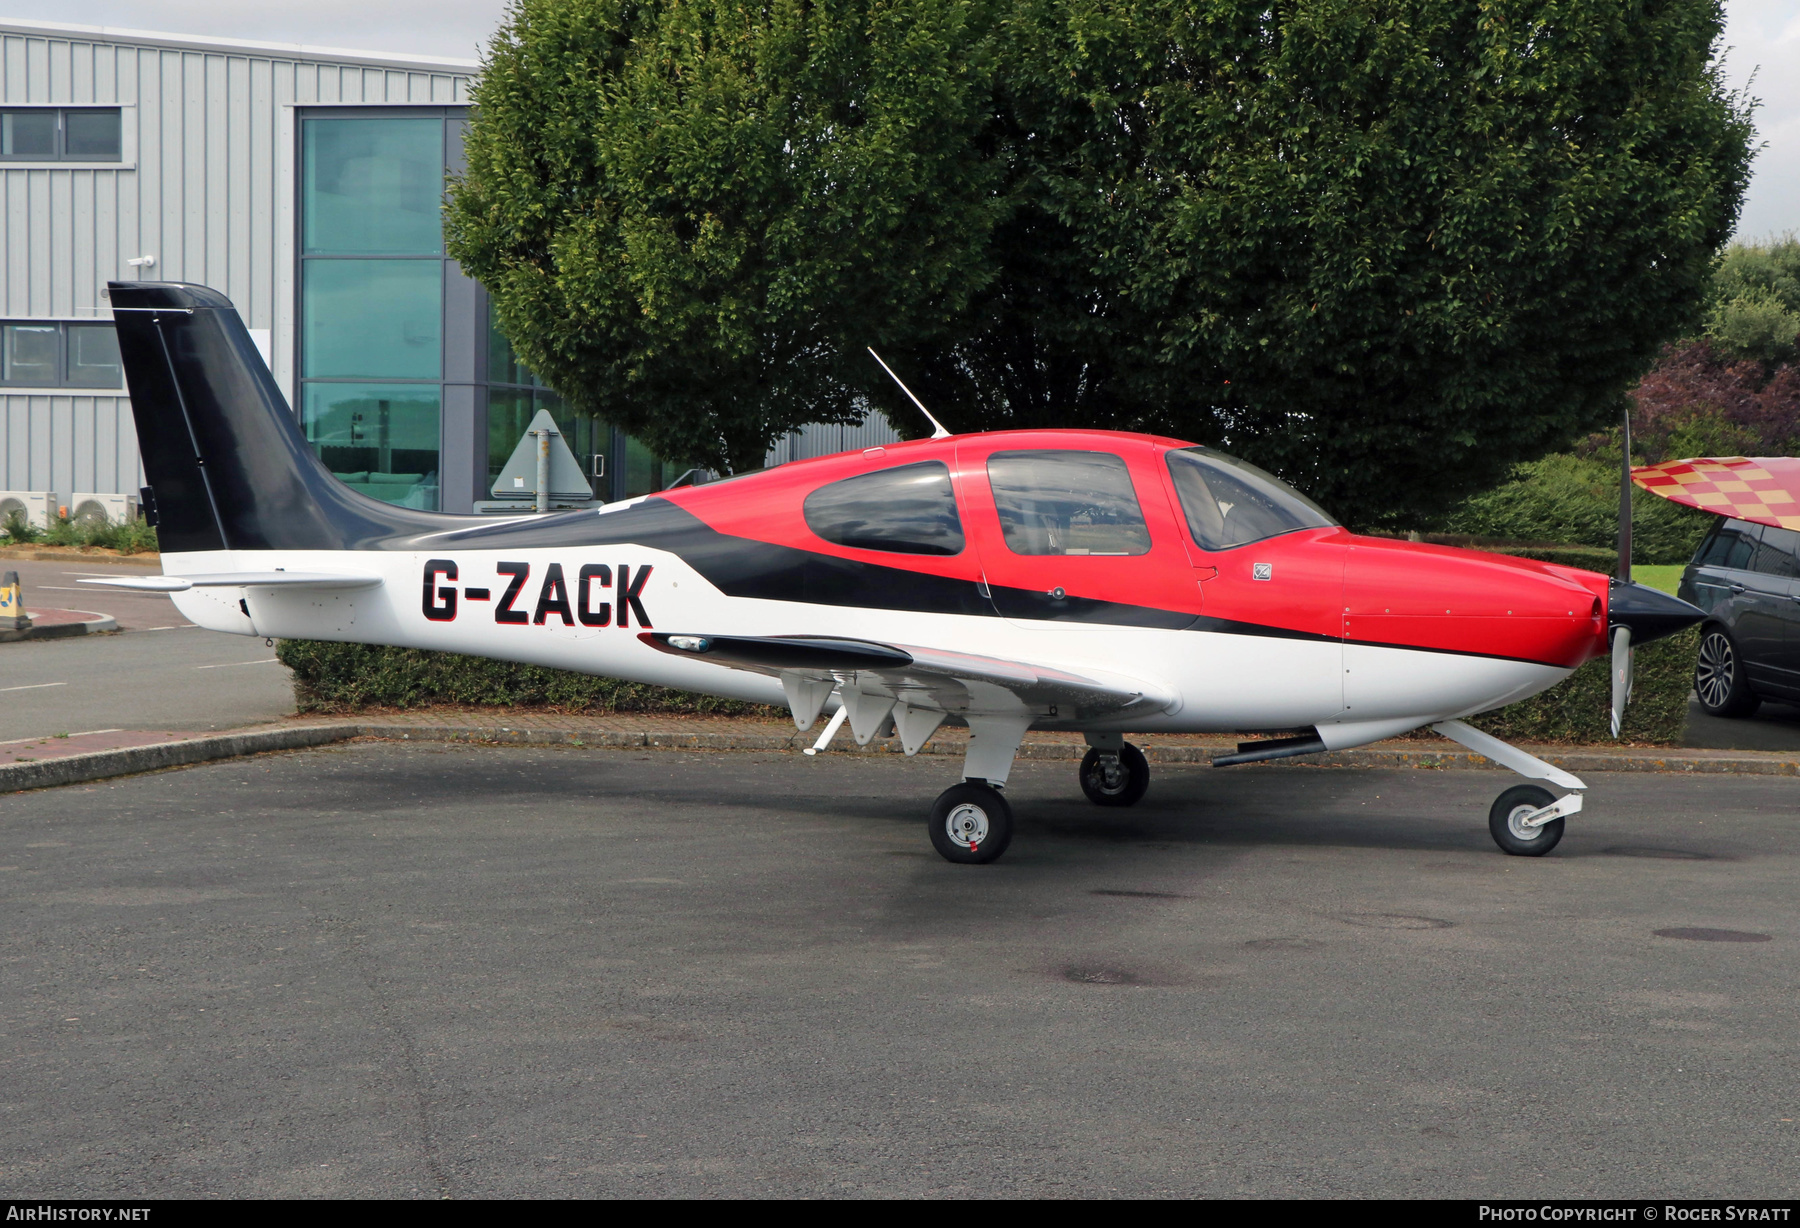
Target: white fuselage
point(1216, 682)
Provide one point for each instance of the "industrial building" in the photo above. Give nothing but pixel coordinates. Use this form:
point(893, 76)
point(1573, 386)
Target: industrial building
point(303, 182)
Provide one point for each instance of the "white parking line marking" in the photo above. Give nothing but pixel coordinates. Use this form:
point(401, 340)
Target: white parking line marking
point(46, 737)
point(36, 686)
point(229, 664)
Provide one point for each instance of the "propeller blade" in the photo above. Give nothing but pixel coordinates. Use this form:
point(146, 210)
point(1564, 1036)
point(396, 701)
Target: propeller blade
point(1624, 568)
point(1621, 675)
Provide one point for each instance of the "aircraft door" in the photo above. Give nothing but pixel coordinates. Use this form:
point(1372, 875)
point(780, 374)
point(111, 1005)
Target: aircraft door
point(1072, 537)
point(1270, 566)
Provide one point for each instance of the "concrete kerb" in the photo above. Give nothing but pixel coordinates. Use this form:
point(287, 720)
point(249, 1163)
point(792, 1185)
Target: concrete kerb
point(97, 625)
point(74, 769)
point(100, 764)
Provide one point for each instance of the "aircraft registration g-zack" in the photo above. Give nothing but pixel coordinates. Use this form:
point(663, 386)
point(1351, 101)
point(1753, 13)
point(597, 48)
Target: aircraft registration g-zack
point(1094, 581)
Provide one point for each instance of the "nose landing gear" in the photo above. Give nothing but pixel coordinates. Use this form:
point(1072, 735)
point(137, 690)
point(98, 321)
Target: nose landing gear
point(1510, 821)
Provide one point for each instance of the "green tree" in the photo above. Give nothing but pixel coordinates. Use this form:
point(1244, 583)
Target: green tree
point(692, 216)
point(1754, 308)
point(1387, 249)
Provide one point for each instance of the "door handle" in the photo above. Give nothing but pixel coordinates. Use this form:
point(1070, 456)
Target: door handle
point(1739, 588)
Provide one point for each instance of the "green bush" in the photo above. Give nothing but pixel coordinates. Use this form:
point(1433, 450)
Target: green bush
point(18, 531)
point(1577, 709)
point(133, 537)
point(346, 677)
point(1569, 498)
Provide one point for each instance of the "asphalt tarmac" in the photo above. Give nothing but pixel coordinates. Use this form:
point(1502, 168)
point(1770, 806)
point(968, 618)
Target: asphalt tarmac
point(160, 672)
point(180, 678)
point(417, 971)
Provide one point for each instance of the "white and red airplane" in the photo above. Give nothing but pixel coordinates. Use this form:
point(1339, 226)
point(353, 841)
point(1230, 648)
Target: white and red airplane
point(1095, 581)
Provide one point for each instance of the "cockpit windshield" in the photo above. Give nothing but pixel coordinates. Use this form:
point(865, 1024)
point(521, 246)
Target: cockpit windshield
point(1230, 503)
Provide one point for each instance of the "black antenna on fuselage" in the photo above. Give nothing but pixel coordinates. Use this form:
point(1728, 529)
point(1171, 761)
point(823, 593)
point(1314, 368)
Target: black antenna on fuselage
point(940, 433)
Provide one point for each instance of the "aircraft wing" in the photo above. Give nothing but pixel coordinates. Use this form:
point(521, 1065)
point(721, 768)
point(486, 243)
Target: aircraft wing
point(927, 679)
point(239, 579)
point(1762, 489)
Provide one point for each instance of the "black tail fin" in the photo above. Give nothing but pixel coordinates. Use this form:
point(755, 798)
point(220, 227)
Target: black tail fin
point(227, 463)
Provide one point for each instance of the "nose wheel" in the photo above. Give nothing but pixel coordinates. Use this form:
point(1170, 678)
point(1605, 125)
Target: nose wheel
point(971, 823)
point(1509, 821)
point(1115, 777)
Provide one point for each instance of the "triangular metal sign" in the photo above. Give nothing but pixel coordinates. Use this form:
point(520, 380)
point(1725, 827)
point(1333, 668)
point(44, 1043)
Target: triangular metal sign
point(518, 480)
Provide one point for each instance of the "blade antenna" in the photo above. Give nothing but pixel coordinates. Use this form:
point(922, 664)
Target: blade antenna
point(940, 432)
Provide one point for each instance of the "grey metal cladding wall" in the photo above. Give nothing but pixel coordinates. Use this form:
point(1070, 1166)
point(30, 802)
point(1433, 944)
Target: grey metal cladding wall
point(822, 440)
point(206, 185)
point(69, 443)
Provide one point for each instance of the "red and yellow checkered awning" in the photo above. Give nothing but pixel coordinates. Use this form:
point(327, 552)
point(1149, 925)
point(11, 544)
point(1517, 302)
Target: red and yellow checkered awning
point(1764, 489)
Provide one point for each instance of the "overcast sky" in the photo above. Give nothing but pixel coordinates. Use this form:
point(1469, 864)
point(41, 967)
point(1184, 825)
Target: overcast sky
point(1763, 37)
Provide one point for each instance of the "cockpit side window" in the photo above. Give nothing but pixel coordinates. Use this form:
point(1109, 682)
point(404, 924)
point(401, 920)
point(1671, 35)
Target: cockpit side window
point(1057, 502)
point(905, 510)
point(1229, 503)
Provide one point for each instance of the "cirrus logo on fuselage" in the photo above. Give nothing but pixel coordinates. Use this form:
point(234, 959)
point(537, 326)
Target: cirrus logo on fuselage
point(596, 601)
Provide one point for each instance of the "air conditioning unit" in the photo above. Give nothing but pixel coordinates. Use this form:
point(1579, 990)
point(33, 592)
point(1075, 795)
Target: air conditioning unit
point(39, 506)
point(89, 507)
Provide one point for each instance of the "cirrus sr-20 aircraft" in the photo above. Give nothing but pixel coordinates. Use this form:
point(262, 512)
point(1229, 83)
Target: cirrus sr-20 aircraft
point(1095, 581)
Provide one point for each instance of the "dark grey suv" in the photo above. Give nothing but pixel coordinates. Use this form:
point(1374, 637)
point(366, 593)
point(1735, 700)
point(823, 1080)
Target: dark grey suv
point(1747, 579)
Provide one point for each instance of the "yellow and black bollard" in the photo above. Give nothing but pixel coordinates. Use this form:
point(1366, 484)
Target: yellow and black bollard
point(12, 604)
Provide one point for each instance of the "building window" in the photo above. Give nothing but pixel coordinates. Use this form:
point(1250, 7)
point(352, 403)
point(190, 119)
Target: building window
point(59, 354)
point(60, 134)
point(372, 271)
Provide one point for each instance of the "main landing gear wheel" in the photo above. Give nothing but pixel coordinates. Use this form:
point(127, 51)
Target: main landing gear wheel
point(1719, 677)
point(1509, 832)
point(1115, 780)
point(971, 823)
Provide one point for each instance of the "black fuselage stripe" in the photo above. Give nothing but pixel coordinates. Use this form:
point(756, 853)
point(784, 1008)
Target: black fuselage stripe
point(747, 568)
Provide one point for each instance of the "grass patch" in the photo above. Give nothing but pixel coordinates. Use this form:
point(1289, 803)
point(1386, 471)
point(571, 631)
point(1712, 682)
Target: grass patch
point(1665, 578)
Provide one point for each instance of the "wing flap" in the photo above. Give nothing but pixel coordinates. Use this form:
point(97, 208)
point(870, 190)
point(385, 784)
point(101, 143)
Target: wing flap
point(923, 678)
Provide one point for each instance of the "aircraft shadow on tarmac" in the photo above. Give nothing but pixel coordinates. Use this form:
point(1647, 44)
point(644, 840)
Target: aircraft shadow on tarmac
point(1193, 808)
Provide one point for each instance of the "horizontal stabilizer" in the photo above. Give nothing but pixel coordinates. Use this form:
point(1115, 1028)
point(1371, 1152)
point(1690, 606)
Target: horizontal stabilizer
point(239, 579)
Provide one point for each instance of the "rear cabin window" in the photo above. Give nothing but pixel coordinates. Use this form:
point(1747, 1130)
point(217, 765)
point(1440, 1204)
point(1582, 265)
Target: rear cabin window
point(1778, 554)
point(905, 510)
point(1229, 503)
point(1055, 502)
point(1732, 545)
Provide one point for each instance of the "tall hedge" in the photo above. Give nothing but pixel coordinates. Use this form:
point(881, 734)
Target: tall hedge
point(348, 677)
point(1577, 709)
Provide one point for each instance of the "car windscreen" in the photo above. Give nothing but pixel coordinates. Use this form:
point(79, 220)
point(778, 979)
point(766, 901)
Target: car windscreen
point(1230, 503)
point(906, 510)
point(1067, 502)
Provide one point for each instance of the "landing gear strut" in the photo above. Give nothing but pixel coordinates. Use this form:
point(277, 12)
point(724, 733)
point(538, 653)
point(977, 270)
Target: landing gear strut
point(1115, 775)
point(1526, 820)
point(971, 823)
